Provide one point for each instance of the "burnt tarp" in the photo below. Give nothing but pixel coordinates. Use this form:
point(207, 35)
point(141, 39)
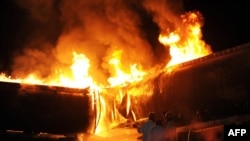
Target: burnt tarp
point(212, 87)
point(41, 108)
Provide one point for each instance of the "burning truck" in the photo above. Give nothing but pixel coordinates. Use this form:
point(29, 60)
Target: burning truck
point(93, 79)
point(44, 109)
point(211, 87)
point(215, 86)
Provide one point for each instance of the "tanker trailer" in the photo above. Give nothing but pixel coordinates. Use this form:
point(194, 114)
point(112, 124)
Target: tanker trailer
point(212, 87)
point(42, 108)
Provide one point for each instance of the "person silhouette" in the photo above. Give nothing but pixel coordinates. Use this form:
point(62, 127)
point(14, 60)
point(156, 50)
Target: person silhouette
point(146, 127)
point(158, 131)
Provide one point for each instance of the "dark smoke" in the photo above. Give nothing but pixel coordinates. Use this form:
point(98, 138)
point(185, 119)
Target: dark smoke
point(53, 29)
point(166, 13)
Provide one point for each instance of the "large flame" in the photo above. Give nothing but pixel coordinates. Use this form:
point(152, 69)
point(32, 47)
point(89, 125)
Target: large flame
point(79, 76)
point(188, 44)
point(124, 76)
point(185, 44)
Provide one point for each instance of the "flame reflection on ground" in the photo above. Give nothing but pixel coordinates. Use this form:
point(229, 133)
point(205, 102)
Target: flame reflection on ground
point(121, 134)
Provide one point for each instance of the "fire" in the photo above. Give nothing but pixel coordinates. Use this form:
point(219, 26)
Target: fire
point(4, 77)
point(186, 45)
point(79, 76)
point(30, 79)
point(124, 76)
point(170, 39)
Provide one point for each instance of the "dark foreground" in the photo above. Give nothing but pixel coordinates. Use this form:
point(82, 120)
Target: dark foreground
point(197, 131)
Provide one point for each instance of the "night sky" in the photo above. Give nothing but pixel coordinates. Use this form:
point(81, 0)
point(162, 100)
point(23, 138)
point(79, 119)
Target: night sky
point(226, 25)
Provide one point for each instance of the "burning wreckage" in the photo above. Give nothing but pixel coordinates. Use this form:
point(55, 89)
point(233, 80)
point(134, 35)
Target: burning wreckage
point(213, 87)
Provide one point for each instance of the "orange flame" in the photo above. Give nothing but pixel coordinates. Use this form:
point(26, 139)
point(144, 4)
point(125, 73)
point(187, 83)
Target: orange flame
point(79, 77)
point(123, 76)
point(186, 45)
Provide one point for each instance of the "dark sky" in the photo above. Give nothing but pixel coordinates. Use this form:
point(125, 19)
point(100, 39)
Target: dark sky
point(226, 25)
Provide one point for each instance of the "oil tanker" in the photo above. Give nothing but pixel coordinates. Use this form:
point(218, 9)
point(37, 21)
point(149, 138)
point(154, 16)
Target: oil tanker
point(212, 87)
point(41, 108)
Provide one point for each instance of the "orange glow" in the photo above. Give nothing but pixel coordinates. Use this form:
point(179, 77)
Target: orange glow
point(171, 39)
point(128, 105)
point(79, 77)
point(107, 115)
point(124, 76)
point(186, 45)
point(4, 77)
point(32, 79)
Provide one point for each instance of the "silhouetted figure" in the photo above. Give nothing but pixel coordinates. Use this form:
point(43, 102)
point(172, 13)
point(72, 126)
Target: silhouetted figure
point(158, 132)
point(170, 128)
point(146, 127)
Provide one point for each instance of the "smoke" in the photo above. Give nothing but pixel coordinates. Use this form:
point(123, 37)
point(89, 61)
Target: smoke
point(36, 61)
point(40, 10)
point(96, 28)
point(39, 29)
point(166, 13)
